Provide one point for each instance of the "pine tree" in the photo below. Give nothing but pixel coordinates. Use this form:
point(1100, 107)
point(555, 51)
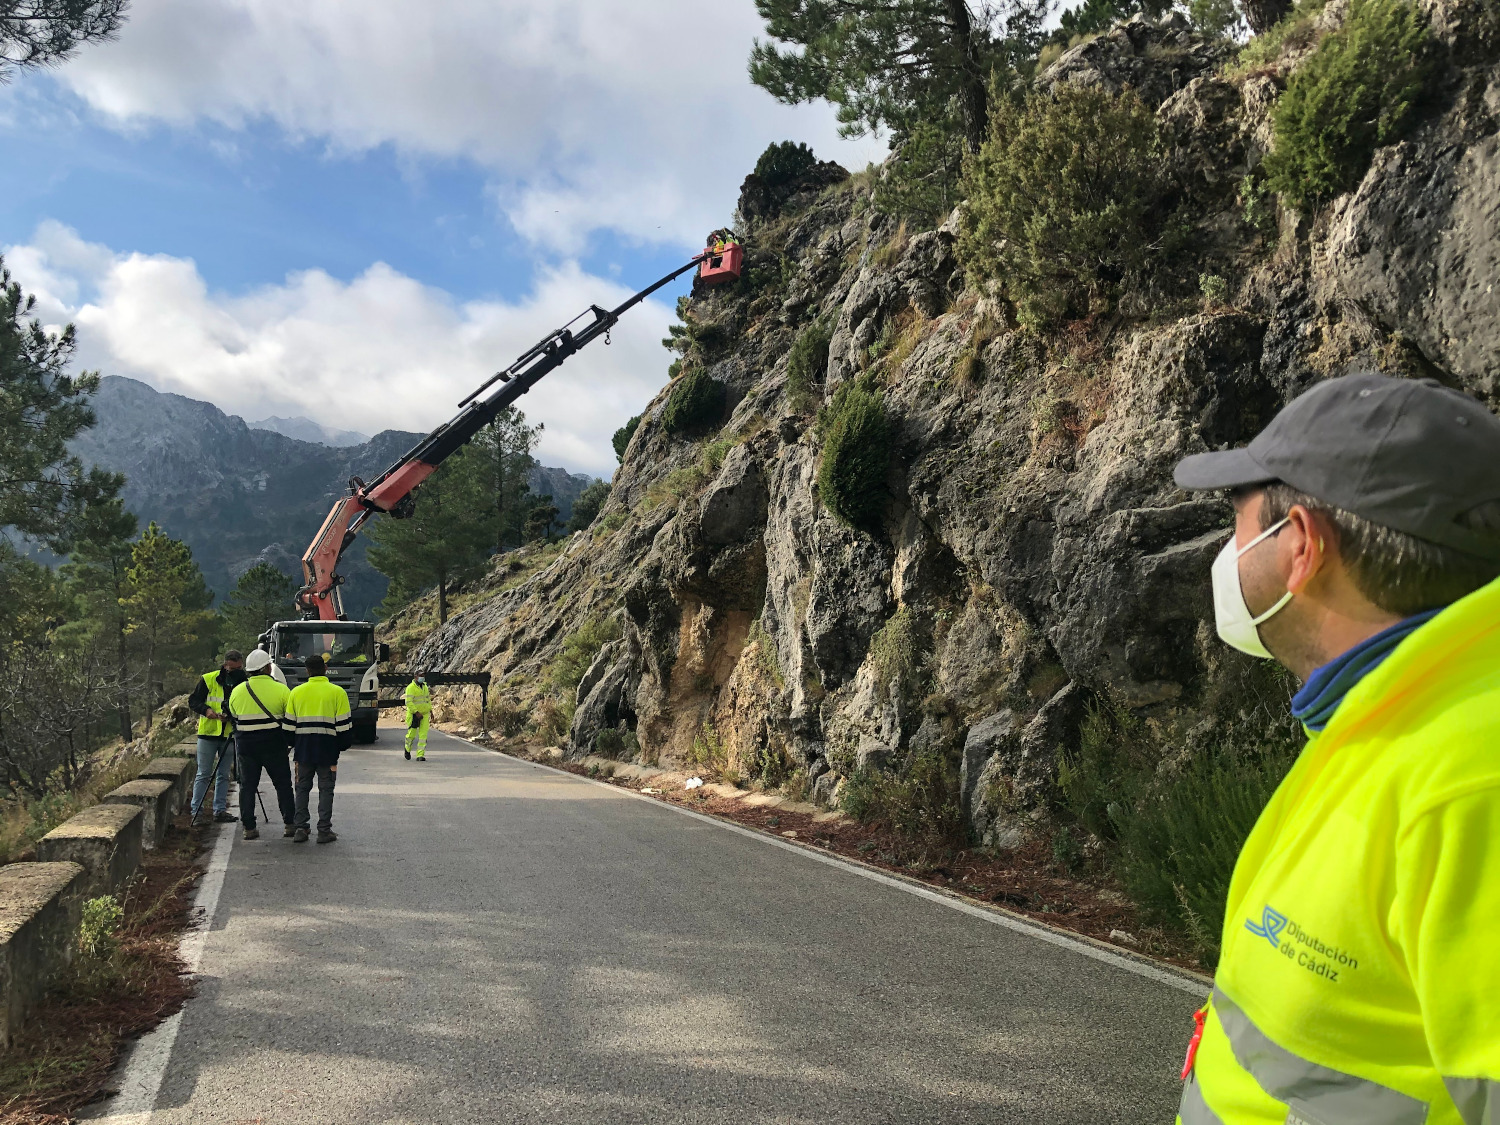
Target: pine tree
point(262, 596)
point(36, 33)
point(501, 454)
point(96, 578)
point(446, 539)
point(44, 489)
point(541, 520)
point(892, 64)
point(586, 508)
point(167, 609)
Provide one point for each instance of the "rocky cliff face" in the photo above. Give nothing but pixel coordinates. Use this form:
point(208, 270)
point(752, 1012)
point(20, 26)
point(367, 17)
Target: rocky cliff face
point(1034, 565)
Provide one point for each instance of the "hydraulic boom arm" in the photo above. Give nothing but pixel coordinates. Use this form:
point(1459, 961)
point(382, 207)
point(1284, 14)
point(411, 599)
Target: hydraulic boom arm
point(392, 491)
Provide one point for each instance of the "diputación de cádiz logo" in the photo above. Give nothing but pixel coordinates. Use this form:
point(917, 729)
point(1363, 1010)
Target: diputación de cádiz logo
point(1316, 956)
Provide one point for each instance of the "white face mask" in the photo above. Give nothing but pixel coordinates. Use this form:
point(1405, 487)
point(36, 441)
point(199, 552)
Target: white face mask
point(1237, 627)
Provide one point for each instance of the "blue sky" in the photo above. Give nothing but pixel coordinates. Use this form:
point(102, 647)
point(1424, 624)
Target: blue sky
point(284, 210)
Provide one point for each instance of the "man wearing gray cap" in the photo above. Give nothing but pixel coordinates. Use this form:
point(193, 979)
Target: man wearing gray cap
point(1359, 979)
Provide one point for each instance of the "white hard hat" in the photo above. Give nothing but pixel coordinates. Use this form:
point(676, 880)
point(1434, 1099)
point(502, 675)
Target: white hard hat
point(257, 660)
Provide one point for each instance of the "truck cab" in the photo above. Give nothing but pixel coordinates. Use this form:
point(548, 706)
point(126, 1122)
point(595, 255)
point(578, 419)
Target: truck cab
point(349, 650)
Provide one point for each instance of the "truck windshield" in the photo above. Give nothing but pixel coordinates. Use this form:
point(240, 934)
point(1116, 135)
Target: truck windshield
point(336, 647)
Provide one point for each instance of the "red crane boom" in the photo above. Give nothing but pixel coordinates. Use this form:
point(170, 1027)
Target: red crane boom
point(391, 492)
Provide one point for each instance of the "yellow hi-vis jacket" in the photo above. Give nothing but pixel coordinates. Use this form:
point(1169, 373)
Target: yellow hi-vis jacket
point(418, 699)
point(1359, 981)
point(213, 728)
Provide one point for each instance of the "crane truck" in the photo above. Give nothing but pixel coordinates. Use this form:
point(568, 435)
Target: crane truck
point(348, 647)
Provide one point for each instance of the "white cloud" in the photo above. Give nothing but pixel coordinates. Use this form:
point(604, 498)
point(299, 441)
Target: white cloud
point(382, 351)
point(589, 113)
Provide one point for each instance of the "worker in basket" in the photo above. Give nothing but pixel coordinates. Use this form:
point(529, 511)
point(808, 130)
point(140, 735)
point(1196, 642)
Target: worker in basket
point(1359, 978)
point(418, 714)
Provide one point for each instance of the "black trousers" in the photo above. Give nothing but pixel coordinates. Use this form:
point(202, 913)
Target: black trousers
point(326, 776)
point(279, 770)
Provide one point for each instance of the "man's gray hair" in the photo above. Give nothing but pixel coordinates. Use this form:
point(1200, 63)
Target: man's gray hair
point(1400, 573)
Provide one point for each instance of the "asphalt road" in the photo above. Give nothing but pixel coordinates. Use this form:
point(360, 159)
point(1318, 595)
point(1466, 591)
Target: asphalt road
point(489, 941)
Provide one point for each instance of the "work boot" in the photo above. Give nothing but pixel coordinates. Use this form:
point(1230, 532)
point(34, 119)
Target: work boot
point(421, 757)
point(252, 833)
point(299, 836)
point(200, 819)
point(225, 817)
point(327, 837)
point(408, 754)
point(288, 831)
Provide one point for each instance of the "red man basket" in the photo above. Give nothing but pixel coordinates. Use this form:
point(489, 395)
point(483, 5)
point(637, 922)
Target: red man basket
point(722, 266)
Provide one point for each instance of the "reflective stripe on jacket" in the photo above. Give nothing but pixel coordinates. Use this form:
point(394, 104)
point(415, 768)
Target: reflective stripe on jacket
point(1359, 980)
point(418, 699)
point(213, 728)
point(256, 727)
point(318, 714)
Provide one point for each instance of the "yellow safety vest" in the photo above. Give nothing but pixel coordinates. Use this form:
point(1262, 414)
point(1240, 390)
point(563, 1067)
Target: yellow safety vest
point(1359, 981)
point(318, 706)
point(213, 728)
point(418, 699)
point(249, 717)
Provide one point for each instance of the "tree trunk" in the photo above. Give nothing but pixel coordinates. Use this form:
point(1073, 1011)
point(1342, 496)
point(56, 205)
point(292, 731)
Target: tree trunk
point(1262, 15)
point(971, 92)
point(442, 602)
point(150, 678)
point(122, 670)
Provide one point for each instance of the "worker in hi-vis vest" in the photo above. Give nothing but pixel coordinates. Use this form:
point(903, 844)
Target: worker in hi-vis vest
point(215, 731)
point(1359, 974)
point(418, 715)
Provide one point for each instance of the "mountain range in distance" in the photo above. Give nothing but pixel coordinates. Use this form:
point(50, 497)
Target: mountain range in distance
point(239, 494)
point(305, 429)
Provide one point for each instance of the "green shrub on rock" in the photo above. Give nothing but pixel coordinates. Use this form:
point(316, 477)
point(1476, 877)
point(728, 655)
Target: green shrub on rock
point(856, 454)
point(621, 440)
point(783, 162)
point(1358, 91)
point(807, 362)
point(696, 402)
point(1059, 200)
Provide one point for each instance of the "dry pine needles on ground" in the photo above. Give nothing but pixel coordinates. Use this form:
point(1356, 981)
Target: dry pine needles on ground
point(131, 980)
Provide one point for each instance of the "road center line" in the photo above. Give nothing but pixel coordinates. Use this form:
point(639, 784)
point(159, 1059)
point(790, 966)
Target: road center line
point(1179, 979)
point(147, 1067)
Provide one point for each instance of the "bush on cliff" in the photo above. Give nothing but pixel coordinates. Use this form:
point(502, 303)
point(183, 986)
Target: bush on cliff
point(783, 161)
point(807, 362)
point(1058, 200)
point(1172, 837)
point(621, 439)
point(856, 454)
point(696, 402)
point(1358, 91)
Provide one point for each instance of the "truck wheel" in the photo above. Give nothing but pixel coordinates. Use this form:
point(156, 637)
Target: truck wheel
point(364, 732)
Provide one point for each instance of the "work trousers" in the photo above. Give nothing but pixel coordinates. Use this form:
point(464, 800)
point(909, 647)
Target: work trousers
point(416, 733)
point(326, 776)
point(279, 770)
point(208, 748)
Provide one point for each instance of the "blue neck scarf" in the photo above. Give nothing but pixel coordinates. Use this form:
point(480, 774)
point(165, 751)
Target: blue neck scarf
point(1325, 689)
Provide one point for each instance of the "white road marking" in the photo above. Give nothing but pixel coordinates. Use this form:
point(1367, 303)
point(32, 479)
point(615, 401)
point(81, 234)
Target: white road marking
point(147, 1066)
point(1179, 979)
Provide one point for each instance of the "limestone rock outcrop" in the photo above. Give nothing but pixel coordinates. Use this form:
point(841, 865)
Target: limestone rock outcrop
point(1034, 570)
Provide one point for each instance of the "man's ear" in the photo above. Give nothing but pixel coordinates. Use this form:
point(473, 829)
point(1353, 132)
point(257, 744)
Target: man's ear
point(1310, 542)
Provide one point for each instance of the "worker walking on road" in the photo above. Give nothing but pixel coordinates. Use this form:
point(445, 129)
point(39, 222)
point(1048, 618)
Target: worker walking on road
point(418, 715)
point(322, 727)
point(1359, 980)
point(258, 707)
point(208, 702)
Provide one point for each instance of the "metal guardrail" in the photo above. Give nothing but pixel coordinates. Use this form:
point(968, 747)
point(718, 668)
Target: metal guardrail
point(481, 680)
